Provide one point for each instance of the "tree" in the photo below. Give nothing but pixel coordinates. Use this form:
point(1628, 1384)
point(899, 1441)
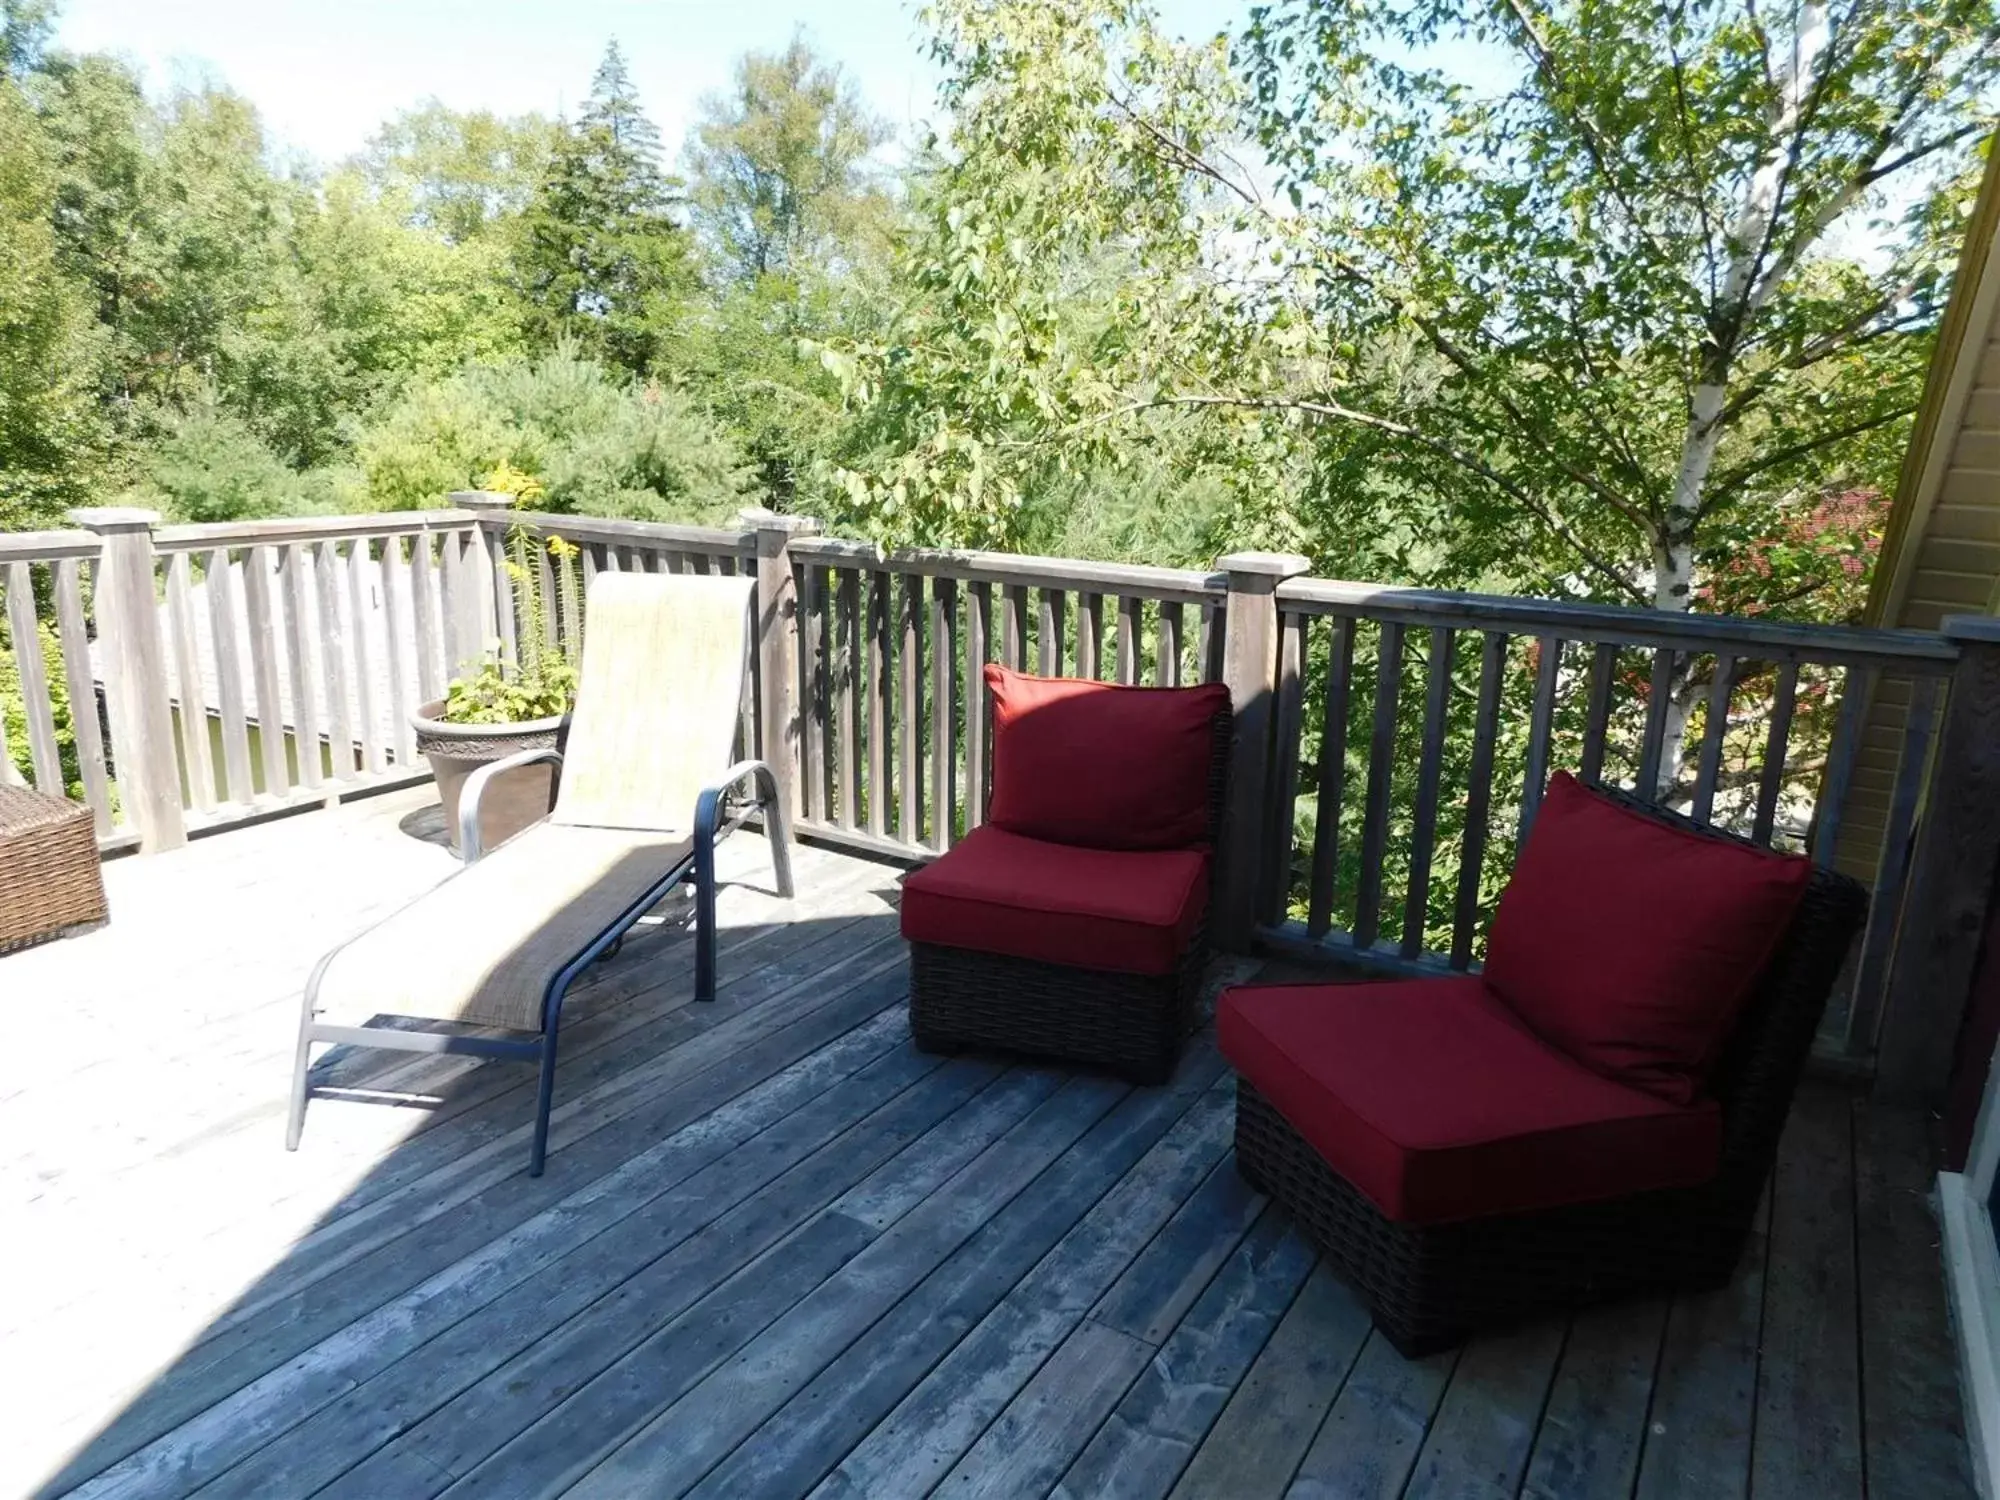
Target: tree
point(780, 165)
point(1626, 264)
point(458, 174)
point(1645, 286)
point(600, 257)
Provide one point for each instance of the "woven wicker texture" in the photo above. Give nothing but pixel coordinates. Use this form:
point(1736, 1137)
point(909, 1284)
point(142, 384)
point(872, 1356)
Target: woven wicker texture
point(1429, 1286)
point(50, 881)
point(1133, 1024)
point(661, 691)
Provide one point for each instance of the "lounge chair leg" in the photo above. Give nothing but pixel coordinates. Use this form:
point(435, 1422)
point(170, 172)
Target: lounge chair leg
point(295, 1122)
point(704, 918)
point(544, 1097)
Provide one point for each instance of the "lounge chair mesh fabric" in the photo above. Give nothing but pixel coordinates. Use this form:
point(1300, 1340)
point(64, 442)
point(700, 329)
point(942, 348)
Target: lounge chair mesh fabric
point(662, 689)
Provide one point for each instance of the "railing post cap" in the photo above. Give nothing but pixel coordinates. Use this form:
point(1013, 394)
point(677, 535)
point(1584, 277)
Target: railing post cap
point(771, 520)
point(1266, 564)
point(115, 518)
point(1982, 630)
point(481, 499)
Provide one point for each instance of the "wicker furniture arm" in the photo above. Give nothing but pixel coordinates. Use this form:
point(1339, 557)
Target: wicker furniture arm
point(51, 878)
point(1431, 1285)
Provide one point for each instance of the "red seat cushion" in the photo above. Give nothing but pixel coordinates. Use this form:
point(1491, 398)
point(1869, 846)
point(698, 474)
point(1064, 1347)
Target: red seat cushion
point(1631, 944)
point(1133, 912)
point(1102, 766)
point(1434, 1100)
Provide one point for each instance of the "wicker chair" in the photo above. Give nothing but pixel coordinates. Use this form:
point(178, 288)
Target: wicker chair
point(51, 881)
point(1430, 1285)
point(1130, 1023)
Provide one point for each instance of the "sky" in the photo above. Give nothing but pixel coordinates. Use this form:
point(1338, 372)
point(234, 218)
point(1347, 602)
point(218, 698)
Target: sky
point(325, 74)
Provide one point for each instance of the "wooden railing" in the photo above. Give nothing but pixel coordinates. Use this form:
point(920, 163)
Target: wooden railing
point(1391, 748)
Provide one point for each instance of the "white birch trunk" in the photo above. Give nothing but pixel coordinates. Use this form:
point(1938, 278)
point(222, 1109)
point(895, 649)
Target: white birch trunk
point(1747, 286)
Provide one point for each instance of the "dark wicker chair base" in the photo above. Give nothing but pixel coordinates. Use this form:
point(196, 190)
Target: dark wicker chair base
point(1429, 1286)
point(1133, 1024)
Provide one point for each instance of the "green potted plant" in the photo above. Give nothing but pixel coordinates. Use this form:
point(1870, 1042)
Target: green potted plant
point(504, 705)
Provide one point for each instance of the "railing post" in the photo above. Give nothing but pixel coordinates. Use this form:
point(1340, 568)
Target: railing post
point(778, 650)
point(134, 662)
point(1250, 671)
point(1951, 877)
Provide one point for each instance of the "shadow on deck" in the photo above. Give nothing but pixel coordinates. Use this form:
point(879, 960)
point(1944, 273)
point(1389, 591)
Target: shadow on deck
point(778, 1251)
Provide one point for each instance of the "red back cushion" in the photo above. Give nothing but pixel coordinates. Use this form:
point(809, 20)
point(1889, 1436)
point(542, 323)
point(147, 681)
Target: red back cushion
point(1631, 944)
point(1099, 765)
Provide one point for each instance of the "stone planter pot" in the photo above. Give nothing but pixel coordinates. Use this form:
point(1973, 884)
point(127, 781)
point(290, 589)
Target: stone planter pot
point(455, 751)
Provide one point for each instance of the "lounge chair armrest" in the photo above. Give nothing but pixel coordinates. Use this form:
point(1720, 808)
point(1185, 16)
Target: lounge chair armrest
point(475, 788)
point(708, 821)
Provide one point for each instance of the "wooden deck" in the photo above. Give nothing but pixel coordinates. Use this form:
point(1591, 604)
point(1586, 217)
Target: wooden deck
point(778, 1251)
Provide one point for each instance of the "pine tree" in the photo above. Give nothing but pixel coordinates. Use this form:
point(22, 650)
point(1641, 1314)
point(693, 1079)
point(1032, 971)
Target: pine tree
point(601, 257)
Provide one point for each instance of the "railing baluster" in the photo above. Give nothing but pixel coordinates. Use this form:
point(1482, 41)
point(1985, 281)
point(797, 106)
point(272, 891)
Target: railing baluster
point(1167, 652)
point(1332, 778)
point(1129, 626)
point(879, 653)
point(1714, 726)
point(1014, 628)
point(1840, 760)
point(1381, 772)
point(1212, 634)
point(847, 705)
point(1276, 883)
point(811, 590)
point(33, 670)
point(1478, 797)
point(1049, 634)
point(1777, 743)
point(1864, 1015)
point(197, 762)
point(1597, 715)
point(459, 654)
point(1430, 770)
point(258, 565)
point(222, 631)
point(545, 568)
point(978, 707)
point(944, 704)
point(399, 636)
point(1535, 778)
point(1090, 636)
point(81, 681)
point(361, 584)
point(432, 653)
point(1659, 703)
point(910, 665)
point(299, 661)
point(334, 638)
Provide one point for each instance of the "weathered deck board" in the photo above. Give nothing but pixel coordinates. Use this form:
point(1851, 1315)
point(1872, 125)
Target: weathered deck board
point(779, 1252)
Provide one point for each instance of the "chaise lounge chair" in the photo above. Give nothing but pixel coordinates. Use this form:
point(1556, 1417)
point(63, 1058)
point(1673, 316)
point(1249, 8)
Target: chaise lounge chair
point(644, 782)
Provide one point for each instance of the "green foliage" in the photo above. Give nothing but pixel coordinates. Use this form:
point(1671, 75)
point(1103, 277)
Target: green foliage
point(459, 175)
point(209, 465)
point(52, 439)
point(598, 443)
point(538, 682)
point(779, 166)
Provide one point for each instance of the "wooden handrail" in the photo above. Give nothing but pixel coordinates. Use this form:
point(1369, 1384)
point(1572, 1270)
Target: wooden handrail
point(1770, 640)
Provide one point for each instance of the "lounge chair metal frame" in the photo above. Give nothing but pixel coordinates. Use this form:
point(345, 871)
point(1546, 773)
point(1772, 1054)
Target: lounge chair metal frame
point(712, 822)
